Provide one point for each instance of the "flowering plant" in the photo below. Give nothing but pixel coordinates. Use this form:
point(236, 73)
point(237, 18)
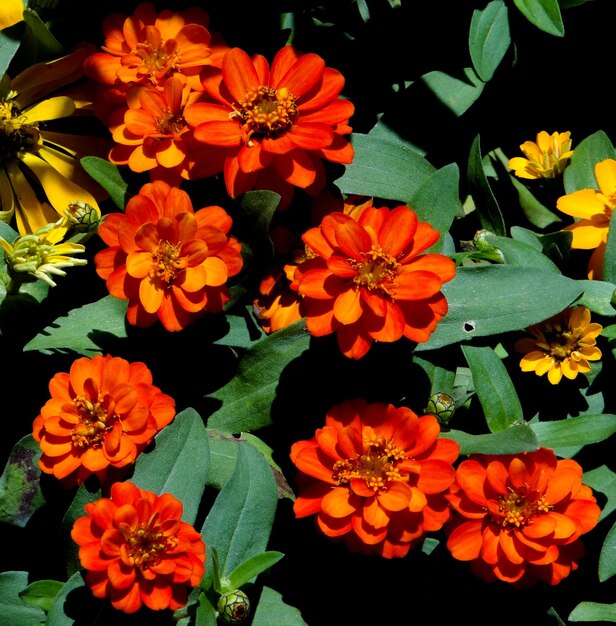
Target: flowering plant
point(312, 306)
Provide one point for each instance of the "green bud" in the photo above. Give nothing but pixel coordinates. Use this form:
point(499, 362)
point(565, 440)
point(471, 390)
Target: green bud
point(442, 406)
point(233, 607)
point(81, 216)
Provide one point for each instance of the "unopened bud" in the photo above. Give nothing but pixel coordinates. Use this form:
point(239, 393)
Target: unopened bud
point(233, 607)
point(442, 406)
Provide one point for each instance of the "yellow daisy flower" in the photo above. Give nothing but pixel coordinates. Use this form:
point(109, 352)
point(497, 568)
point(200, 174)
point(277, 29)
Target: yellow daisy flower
point(562, 345)
point(12, 13)
point(545, 158)
point(594, 209)
point(33, 154)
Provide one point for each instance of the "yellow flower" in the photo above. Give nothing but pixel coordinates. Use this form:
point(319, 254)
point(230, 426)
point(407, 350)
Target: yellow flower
point(562, 345)
point(594, 209)
point(30, 148)
point(545, 158)
point(40, 255)
point(12, 13)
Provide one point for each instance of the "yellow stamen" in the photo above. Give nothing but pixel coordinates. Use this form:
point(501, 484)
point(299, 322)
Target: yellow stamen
point(377, 271)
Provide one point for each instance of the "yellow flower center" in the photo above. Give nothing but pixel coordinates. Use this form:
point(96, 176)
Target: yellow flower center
point(95, 419)
point(377, 271)
point(146, 543)
point(15, 133)
point(265, 112)
point(170, 124)
point(377, 466)
point(167, 262)
point(560, 343)
point(519, 506)
point(157, 59)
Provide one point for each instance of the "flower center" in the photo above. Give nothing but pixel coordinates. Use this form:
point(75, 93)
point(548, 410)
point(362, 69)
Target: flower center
point(265, 112)
point(15, 133)
point(377, 466)
point(95, 419)
point(158, 57)
point(560, 343)
point(376, 272)
point(146, 544)
point(519, 506)
point(167, 262)
point(170, 124)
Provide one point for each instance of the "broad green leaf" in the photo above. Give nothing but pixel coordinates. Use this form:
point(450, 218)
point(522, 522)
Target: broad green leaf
point(544, 14)
point(12, 608)
point(520, 253)
point(494, 388)
point(382, 131)
point(437, 201)
point(487, 207)
point(41, 593)
point(73, 605)
point(456, 93)
point(44, 42)
point(609, 258)
point(494, 299)
point(489, 38)
point(242, 331)
point(20, 491)
point(206, 612)
point(272, 610)
point(516, 438)
point(239, 523)
point(575, 431)
point(383, 169)
point(598, 296)
point(179, 462)
point(223, 456)
point(247, 398)
point(10, 39)
point(580, 173)
point(108, 176)
point(84, 328)
point(607, 558)
point(253, 224)
point(250, 569)
point(535, 212)
point(603, 479)
point(593, 612)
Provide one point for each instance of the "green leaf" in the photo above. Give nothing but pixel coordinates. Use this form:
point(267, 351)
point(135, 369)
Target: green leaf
point(494, 299)
point(580, 173)
point(603, 479)
point(43, 41)
point(457, 94)
point(206, 612)
point(597, 296)
point(384, 170)
point(535, 212)
point(489, 38)
point(41, 593)
point(609, 257)
point(242, 331)
point(179, 462)
point(239, 523)
point(575, 431)
point(10, 38)
point(593, 612)
point(74, 605)
point(488, 210)
point(250, 569)
point(607, 558)
point(544, 14)
point(252, 227)
point(247, 398)
point(12, 609)
point(516, 438)
point(494, 388)
point(84, 328)
point(20, 491)
point(272, 610)
point(520, 253)
point(437, 201)
point(108, 176)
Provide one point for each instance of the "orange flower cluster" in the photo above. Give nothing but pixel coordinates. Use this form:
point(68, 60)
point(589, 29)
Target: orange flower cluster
point(101, 415)
point(137, 551)
point(366, 279)
point(376, 476)
point(181, 107)
point(519, 517)
point(170, 262)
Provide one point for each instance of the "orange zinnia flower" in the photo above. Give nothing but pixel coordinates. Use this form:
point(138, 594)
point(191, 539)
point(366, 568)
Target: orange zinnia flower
point(375, 475)
point(169, 262)
point(137, 551)
point(368, 280)
point(276, 125)
point(520, 516)
point(101, 414)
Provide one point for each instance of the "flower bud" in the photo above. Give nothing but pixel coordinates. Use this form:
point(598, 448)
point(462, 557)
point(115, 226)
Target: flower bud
point(233, 607)
point(81, 216)
point(442, 406)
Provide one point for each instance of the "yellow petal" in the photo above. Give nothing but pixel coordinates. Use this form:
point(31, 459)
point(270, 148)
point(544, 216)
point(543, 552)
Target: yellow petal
point(586, 235)
point(555, 374)
point(605, 172)
point(7, 198)
point(51, 109)
point(12, 13)
point(583, 204)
